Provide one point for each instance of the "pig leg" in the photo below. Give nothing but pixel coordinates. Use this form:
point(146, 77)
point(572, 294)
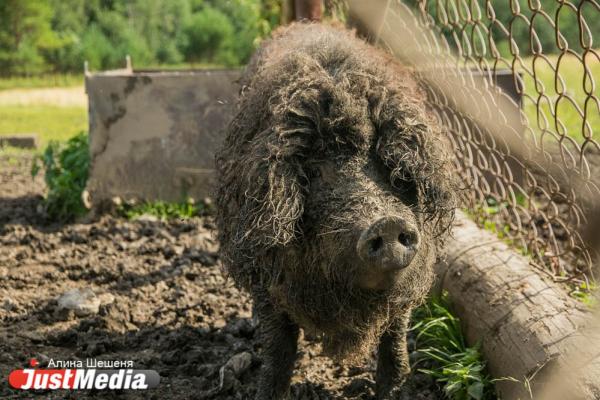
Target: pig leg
point(392, 364)
point(279, 337)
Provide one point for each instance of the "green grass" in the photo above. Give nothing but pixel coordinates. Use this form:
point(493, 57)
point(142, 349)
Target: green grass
point(42, 81)
point(586, 293)
point(164, 210)
point(572, 72)
point(50, 123)
point(458, 368)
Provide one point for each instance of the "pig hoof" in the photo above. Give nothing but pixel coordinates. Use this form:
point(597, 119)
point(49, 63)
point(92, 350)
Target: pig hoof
point(393, 394)
point(399, 392)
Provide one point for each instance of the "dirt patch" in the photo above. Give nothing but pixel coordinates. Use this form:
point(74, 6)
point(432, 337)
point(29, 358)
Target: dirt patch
point(60, 97)
point(165, 305)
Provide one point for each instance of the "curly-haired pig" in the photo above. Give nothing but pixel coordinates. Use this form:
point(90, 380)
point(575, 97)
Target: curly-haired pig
point(334, 194)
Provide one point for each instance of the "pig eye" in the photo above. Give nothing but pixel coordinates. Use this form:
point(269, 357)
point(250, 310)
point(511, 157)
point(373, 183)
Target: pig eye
point(407, 189)
point(316, 173)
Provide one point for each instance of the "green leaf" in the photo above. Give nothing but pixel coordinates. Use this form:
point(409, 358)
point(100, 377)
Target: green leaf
point(475, 390)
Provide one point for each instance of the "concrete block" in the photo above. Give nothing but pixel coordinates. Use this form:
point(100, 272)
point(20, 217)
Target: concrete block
point(153, 134)
point(28, 141)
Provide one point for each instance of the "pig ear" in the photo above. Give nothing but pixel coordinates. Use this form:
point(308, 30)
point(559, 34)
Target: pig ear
point(268, 141)
point(412, 148)
point(275, 188)
point(273, 202)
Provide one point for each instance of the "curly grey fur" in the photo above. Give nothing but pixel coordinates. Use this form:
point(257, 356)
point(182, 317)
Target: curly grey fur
point(329, 135)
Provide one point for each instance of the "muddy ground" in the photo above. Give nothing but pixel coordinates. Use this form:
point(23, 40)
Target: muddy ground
point(164, 304)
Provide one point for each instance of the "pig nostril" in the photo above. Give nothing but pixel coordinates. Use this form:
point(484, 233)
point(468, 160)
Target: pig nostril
point(404, 239)
point(375, 245)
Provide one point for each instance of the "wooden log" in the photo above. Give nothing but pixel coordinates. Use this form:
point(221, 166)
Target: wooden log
point(527, 325)
point(577, 378)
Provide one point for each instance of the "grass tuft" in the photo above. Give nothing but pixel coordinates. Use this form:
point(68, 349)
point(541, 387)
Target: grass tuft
point(489, 217)
point(65, 168)
point(586, 293)
point(164, 210)
point(458, 368)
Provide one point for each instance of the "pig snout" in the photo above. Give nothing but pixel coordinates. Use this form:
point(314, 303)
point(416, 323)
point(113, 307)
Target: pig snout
point(389, 244)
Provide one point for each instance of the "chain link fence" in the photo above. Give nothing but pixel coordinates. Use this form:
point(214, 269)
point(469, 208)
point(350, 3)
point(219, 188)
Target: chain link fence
point(514, 83)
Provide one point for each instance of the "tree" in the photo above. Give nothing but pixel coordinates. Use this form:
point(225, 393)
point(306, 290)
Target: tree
point(209, 37)
point(59, 35)
point(26, 32)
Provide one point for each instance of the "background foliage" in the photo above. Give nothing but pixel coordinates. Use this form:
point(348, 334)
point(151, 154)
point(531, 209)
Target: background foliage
point(40, 36)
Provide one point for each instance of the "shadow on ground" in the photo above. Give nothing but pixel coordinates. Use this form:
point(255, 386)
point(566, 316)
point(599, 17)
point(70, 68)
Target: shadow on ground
point(164, 304)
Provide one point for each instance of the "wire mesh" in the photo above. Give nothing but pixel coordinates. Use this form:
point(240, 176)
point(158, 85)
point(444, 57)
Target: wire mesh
point(535, 184)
